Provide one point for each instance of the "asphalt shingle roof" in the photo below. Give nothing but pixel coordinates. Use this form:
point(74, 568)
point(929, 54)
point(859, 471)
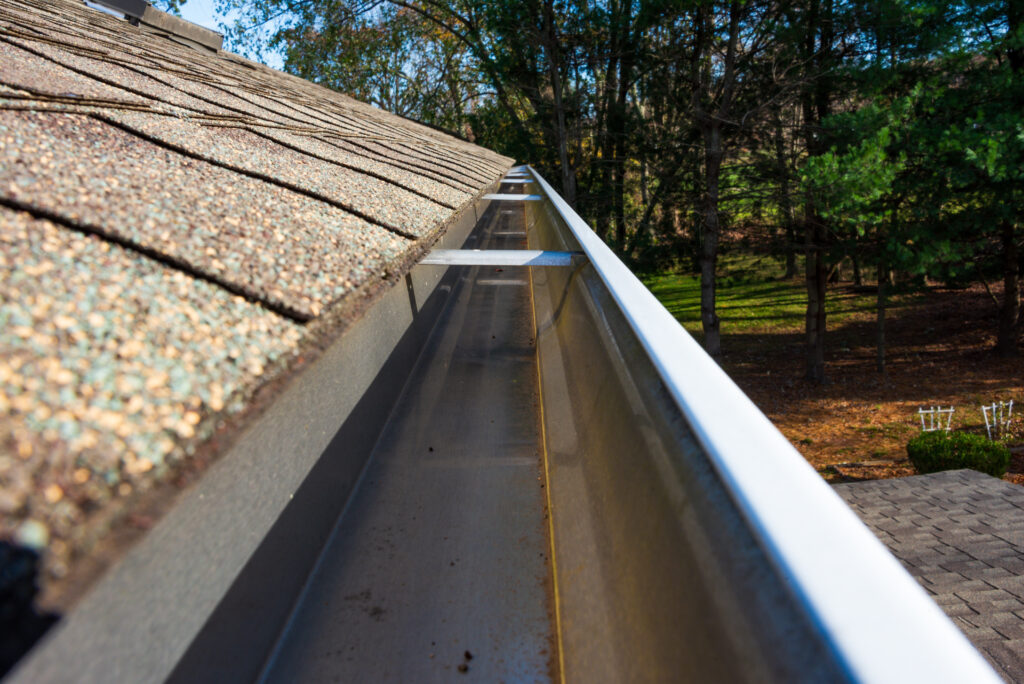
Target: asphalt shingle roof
point(960, 533)
point(174, 223)
point(285, 249)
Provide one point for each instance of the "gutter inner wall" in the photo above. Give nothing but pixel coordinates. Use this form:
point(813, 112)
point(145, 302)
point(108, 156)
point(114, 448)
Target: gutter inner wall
point(658, 576)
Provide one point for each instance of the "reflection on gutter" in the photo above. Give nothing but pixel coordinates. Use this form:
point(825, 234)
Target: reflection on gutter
point(556, 313)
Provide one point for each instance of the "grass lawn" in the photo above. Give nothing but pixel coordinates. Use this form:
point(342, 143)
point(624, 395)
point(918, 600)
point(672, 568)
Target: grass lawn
point(752, 302)
point(855, 426)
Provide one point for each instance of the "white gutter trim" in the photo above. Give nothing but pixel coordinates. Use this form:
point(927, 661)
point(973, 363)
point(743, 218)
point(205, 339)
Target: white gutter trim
point(881, 624)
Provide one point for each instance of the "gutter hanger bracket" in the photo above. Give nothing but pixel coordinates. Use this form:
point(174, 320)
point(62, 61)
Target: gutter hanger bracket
point(512, 197)
point(501, 257)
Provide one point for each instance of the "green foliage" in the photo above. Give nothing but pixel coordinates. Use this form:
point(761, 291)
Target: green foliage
point(172, 6)
point(890, 132)
point(392, 57)
point(931, 452)
point(852, 183)
point(931, 175)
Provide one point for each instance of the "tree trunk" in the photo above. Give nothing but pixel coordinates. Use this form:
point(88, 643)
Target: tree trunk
point(664, 196)
point(619, 204)
point(790, 251)
point(785, 204)
point(562, 133)
point(645, 195)
point(835, 275)
point(815, 105)
point(603, 136)
point(1009, 312)
point(880, 317)
point(617, 124)
point(814, 269)
point(710, 121)
point(713, 154)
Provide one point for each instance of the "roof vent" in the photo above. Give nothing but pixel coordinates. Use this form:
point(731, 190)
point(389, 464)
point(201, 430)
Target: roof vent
point(141, 12)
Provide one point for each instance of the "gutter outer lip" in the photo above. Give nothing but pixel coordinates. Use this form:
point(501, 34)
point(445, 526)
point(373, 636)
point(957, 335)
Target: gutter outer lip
point(880, 623)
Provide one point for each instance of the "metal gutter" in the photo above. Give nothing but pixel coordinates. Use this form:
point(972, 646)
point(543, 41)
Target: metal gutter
point(878, 622)
point(203, 595)
point(509, 197)
point(442, 550)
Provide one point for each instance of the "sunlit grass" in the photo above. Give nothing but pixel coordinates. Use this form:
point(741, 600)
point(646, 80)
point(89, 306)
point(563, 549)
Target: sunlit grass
point(753, 296)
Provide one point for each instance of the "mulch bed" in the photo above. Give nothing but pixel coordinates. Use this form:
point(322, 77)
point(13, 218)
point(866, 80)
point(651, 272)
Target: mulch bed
point(857, 424)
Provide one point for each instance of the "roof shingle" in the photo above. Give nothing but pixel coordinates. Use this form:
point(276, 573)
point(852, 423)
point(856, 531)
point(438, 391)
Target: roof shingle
point(170, 220)
point(282, 248)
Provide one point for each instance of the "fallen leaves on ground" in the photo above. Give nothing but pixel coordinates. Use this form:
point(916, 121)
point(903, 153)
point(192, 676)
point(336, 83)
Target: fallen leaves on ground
point(856, 426)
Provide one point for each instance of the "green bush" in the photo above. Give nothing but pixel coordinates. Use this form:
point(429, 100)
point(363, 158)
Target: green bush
point(931, 452)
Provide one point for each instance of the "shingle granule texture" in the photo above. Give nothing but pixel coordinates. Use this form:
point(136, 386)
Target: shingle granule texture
point(103, 68)
point(336, 152)
point(268, 242)
point(111, 364)
point(176, 227)
point(384, 203)
point(27, 71)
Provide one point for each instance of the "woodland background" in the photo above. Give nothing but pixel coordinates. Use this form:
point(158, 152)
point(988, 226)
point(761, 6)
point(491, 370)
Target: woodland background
point(880, 140)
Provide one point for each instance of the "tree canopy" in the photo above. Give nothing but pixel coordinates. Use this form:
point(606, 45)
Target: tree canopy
point(886, 132)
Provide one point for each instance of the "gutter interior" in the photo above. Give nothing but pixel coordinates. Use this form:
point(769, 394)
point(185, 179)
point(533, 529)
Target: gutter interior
point(442, 551)
point(439, 564)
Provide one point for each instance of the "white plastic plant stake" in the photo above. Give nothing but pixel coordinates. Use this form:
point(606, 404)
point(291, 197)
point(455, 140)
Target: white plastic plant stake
point(935, 415)
point(997, 418)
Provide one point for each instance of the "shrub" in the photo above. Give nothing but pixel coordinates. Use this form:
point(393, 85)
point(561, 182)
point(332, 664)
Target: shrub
point(931, 452)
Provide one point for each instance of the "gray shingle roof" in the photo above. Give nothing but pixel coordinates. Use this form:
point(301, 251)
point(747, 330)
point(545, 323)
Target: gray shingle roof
point(960, 533)
point(175, 224)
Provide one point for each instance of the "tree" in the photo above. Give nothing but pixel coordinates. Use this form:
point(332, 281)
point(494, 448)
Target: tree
point(172, 6)
point(857, 190)
point(394, 59)
point(666, 121)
